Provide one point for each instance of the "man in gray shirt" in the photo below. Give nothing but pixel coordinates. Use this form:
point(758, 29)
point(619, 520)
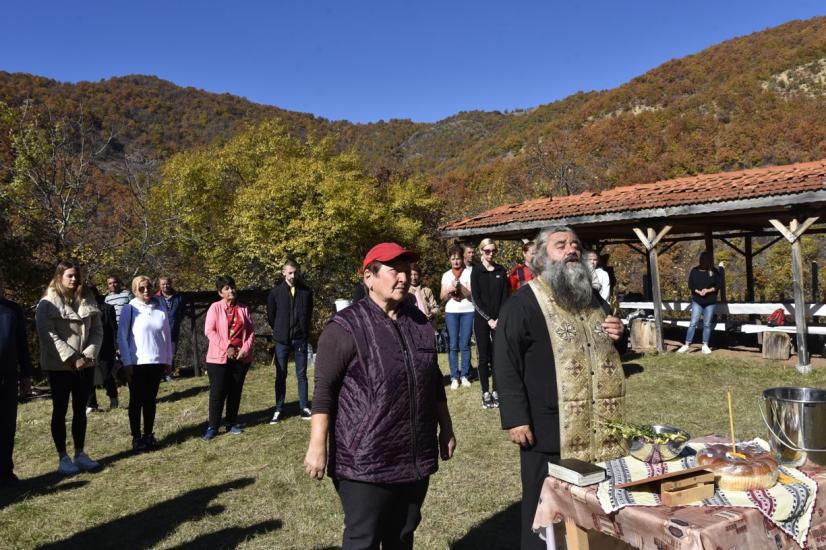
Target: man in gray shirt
point(117, 296)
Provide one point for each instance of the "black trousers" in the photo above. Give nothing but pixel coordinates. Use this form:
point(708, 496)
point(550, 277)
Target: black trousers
point(8, 424)
point(534, 470)
point(225, 384)
point(109, 383)
point(143, 397)
point(64, 384)
point(484, 345)
point(380, 515)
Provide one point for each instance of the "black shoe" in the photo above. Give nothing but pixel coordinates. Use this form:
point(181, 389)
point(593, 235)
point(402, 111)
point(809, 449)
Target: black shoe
point(306, 413)
point(487, 401)
point(149, 442)
point(138, 444)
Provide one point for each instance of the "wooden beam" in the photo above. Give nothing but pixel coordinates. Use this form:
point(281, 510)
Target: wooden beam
point(663, 232)
point(635, 249)
point(768, 245)
point(749, 270)
point(731, 245)
point(643, 238)
point(650, 239)
point(783, 230)
point(803, 365)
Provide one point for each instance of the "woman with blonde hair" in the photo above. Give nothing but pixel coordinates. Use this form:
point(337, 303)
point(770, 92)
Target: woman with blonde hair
point(145, 343)
point(70, 333)
point(489, 286)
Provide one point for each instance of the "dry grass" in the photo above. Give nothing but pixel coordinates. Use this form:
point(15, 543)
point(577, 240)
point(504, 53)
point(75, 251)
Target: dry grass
point(250, 491)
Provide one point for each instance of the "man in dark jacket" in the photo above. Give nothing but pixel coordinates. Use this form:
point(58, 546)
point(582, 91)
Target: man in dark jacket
point(15, 369)
point(173, 303)
point(379, 397)
point(289, 310)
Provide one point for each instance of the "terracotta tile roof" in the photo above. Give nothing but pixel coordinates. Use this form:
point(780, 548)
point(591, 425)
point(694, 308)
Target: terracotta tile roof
point(694, 190)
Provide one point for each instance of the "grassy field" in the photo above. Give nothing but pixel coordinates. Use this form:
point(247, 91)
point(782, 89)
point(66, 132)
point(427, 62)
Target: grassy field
point(250, 491)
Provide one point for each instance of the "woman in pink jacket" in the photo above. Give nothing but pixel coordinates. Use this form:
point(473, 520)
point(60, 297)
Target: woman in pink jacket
point(230, 333)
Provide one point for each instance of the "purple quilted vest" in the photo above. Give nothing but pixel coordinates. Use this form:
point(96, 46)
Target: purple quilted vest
point(385, 425)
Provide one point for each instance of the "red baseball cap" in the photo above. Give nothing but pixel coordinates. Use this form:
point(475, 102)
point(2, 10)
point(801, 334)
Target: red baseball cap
point(387, 252)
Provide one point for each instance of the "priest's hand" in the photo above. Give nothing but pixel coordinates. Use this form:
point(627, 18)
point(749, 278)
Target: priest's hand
point(613, 327)
point(522, 436)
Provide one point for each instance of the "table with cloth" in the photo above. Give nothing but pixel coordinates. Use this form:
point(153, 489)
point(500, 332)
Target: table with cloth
point(788, 516)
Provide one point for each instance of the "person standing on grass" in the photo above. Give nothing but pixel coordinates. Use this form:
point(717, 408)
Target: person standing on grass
point(558, 368)
point(456, 295)
point(70, 333)
point(489, 285)
point(289, 310)
point(229, 329)
point(105, 365)
point(15, 372)
point(174, 305)
point(521, 274)
point(379, 399)
point(704, 282)
point(145, 343)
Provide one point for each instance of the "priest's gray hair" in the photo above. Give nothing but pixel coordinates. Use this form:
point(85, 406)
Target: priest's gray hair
point(571, 284)
point(540, 257)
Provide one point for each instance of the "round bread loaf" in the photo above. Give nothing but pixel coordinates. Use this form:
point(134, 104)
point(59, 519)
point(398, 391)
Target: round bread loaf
point(757, 469)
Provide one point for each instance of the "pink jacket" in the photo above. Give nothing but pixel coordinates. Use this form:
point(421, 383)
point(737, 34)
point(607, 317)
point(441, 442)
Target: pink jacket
point(217, 332)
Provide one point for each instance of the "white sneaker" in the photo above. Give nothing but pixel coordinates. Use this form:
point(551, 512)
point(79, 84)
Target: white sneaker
point(683, 349)
point(89, 410)
point(465, 382)
point(706, 349)
point(66, 467)
point(276, 418)
point(83, 462)
point(454, 384)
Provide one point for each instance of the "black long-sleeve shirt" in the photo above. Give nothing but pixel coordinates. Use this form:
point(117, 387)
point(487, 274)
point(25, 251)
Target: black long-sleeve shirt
point(699, 279)
point(14, 347)
point(489, 289)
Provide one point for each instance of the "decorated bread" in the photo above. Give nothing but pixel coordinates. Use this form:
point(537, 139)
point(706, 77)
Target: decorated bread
point(749, 469)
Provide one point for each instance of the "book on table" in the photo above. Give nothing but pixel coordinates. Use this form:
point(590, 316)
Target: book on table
point(577, 472)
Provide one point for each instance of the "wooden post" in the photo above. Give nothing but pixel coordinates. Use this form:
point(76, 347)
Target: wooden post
point(196, 365)
point(576, 538)
point(793, 234)
point(815, 283)
point(749, 270)
point(649, 241)
point(710, 245)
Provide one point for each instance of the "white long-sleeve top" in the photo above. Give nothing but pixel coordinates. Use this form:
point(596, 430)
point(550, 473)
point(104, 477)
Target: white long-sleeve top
point(150, 340)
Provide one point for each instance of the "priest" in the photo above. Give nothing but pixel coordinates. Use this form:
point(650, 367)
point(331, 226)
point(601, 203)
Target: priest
point(558, 368)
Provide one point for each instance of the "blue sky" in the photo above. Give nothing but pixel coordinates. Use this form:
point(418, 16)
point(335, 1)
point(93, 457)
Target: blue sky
point(371, 60)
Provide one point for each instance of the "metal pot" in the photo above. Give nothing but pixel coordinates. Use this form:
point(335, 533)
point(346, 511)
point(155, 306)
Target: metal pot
point(796, 420)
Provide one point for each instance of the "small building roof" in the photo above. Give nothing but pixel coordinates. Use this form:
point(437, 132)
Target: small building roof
point(742, 201)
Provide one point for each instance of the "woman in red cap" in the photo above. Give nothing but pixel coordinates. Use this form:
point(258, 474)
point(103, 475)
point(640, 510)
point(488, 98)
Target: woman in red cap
point(379, 399)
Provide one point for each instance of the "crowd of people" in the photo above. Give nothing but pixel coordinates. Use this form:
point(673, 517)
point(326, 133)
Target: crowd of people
point(379, 415)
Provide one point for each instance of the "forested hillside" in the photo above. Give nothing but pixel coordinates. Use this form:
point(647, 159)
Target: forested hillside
point(105, 149)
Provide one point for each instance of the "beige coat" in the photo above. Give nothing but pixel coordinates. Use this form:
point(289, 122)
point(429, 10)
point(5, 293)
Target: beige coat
point(429, 302)
point(65, 332)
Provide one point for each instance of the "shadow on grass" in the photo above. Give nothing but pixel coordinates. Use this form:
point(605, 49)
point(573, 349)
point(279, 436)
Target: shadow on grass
point(230, 537)
point(630, 355)
point(630, 369)
point(148, 527)
point(39, 486)
point(183, 394)
point(501, 530)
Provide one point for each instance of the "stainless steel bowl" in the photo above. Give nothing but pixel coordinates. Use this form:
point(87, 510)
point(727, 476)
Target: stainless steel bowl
point(655, 452)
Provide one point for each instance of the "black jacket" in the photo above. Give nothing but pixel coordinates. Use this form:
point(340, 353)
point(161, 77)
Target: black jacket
point(699, 279)
point(14, 348)
point(108, 319)
point(289, 316)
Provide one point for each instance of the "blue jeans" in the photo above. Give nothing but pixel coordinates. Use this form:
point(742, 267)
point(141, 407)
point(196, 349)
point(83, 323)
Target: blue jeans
point(459, 329)
point(282, 353)
point(708, 315)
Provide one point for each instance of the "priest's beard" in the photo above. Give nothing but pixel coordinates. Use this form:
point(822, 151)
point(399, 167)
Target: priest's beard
point(571, 285)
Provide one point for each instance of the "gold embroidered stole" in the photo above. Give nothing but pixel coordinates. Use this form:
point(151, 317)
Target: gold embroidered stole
point(590, 381)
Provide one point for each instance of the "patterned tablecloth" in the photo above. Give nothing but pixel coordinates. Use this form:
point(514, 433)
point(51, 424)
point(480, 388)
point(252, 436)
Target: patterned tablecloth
point(786, 517)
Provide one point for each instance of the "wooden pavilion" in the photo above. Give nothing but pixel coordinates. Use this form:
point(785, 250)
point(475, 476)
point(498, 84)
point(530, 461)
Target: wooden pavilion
point(782, 202)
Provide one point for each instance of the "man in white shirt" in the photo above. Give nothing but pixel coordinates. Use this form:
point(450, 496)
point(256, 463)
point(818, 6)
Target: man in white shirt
point(600, 281)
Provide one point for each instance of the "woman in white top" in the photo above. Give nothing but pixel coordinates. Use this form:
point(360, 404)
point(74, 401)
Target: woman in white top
point(145, 343)
point(458, 315)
